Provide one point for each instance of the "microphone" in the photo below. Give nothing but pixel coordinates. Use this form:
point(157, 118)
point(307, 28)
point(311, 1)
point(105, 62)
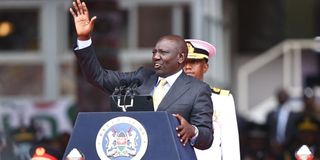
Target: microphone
point(136, 82)
point(123, 85)
point(130, 91)
point(119, 89)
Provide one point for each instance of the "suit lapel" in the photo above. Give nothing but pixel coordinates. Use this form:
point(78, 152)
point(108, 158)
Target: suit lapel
point(179, 87)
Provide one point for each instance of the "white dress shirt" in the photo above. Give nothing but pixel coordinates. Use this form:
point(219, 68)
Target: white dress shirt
point(170, 80)
point(83, 44)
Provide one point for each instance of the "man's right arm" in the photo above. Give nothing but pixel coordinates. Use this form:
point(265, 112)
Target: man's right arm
point(100, 77)
point(94, 73)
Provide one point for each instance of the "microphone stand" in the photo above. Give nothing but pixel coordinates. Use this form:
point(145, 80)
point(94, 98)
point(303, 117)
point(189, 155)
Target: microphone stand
point(124, 107)
point(116, 92)
point(130, 90)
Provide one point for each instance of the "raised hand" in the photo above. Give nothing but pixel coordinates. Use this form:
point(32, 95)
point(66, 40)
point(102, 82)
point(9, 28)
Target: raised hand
point(84, 25)
point(185, 130)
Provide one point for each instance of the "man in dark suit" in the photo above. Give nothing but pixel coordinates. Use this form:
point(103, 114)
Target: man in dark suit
point(281, 124)
point(185, 97)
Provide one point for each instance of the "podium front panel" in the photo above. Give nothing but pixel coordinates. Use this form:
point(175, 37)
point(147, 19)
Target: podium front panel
point(162, 140)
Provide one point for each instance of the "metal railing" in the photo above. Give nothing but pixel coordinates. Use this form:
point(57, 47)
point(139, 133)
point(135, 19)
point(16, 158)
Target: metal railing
point(289, 53)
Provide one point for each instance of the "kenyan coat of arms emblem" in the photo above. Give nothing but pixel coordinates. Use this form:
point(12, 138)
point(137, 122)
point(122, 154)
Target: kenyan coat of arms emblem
point(121, 138)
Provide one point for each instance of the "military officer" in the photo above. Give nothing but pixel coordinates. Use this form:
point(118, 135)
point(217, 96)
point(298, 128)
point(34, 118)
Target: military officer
point(226, 137)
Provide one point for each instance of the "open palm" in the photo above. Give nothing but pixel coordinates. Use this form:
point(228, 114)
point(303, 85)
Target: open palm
point(83, 24)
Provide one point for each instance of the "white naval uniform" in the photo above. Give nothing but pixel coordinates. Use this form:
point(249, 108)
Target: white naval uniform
point(225, 144)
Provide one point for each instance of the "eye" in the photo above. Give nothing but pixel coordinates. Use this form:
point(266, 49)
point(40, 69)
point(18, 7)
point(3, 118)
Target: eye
point(163, 52)
point(193, 61)
point(154, 51)
point(160, 51)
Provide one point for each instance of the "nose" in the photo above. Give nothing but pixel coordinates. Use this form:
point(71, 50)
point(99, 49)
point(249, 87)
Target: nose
point(187, 66)
point(156, 56)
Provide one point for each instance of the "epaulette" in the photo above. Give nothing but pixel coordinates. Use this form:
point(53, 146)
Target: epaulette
point(219, 91)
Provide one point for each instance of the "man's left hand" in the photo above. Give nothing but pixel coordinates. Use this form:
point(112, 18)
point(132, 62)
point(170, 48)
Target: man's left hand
point(185, 130)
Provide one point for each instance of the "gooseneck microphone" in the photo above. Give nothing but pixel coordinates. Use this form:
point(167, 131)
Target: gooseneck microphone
point(124, 90)
point(119, 89)
point(116, 91)
point(136, 82)
point(130, 91)
point(123, 85)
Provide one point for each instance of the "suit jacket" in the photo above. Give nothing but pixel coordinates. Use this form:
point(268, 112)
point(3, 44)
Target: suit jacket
point(187, 96)
point(290, 129)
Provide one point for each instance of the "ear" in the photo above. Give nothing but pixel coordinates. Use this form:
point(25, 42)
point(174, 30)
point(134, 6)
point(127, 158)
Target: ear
point(181, 57)
point(205, 67)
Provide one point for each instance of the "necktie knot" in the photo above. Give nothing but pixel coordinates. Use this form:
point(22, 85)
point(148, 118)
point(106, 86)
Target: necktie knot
point(162, 82)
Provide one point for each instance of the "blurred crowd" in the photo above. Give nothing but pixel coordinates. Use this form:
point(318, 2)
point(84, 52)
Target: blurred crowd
point(284, 131)
point(21, 143)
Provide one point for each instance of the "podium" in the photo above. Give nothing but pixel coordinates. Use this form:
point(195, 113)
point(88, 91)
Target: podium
point(128, 135)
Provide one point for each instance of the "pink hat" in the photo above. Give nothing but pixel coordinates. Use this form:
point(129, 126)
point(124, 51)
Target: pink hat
point(198, 49)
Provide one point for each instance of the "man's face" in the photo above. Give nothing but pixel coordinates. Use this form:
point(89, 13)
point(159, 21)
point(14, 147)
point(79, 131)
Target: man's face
point(196, 68)
point(166, 58)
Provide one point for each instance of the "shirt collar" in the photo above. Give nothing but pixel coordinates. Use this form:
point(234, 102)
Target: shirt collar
point(171, 79)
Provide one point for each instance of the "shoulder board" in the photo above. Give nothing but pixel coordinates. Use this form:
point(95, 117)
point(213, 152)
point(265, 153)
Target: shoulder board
point(219, 91)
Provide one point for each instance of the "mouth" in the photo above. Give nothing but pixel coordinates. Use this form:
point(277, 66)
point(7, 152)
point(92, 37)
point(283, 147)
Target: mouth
point(156, 66)
point(189, 73)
